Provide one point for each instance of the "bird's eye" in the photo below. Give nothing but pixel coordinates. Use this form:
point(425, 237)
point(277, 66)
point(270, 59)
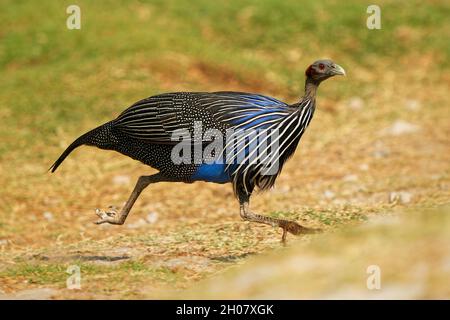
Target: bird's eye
point(321, 66)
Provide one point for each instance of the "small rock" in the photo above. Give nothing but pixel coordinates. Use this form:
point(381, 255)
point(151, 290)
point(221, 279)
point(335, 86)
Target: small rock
point(363, 167)
point(48, 215)
point(400, 127)
point(380, 154)
point(350, 178)
point(152, 217)
point(400, 196)
point(3, 242)
point(141, 222)
point(121, 180)
point(356, 103)
point(328, 194)
point(380, 151)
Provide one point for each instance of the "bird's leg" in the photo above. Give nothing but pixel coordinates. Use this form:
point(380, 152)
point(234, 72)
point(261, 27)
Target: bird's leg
point(111, 216)
point(287, 225)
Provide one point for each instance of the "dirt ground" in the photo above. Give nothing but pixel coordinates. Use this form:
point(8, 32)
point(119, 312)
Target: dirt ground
point(354, 163)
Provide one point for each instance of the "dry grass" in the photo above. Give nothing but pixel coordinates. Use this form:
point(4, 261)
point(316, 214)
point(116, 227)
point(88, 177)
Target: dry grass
point(198, 232)
point(409, 248)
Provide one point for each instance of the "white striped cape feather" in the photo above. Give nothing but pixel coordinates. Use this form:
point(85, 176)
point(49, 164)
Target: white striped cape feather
point(155, 119)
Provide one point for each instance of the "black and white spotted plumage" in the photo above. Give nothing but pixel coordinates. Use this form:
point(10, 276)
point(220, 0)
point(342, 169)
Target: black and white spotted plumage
point(145, 131)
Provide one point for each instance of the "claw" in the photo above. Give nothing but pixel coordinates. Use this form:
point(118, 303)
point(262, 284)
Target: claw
point(296, 229)
point(105, 216)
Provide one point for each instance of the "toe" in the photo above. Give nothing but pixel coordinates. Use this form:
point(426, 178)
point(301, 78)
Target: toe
point(104, 216)
point(296, 229)
point(99, 213)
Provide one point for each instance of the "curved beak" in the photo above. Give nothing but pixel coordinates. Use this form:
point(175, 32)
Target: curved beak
point(338, 70)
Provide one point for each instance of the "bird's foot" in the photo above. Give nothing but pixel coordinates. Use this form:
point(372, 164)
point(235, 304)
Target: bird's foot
point(107, 216)
point(296, 229)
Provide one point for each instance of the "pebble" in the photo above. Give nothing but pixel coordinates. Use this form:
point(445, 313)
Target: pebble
point(400, 127)
point(152, 217)
point(328, 194)
point(350, 178)
point(48, 215)
point(363, 167)
point(141, 222)
point(400, 196)
point(380, 151)
point(121, 180)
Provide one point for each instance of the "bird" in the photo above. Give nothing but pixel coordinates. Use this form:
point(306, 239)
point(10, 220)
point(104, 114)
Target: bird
point(260, 134)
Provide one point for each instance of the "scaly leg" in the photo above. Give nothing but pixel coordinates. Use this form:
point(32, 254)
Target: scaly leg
point(111, 216)
point(287, 225)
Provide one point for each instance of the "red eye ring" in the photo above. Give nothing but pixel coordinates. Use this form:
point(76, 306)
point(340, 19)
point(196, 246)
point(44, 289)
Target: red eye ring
point(321, 66)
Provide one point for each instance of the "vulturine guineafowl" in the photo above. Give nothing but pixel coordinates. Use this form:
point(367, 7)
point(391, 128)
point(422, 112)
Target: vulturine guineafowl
point(264, 134)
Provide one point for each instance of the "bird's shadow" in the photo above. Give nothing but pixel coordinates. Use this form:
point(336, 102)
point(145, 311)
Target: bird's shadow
point(100, 258)
point(231, 258)
point(83, 258)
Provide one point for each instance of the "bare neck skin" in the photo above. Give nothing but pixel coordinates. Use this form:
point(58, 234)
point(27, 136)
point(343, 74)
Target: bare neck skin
point(310, 88)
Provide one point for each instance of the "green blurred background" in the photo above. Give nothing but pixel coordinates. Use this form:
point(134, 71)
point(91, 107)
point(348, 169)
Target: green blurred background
point(51, 75)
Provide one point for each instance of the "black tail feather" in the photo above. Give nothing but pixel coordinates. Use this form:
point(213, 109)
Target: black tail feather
point(89, 138)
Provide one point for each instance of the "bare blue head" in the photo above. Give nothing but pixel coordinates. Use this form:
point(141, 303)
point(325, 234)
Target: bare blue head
point(321, 70)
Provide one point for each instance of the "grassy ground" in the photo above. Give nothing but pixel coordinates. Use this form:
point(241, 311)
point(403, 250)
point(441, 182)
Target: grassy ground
point(378, 145)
